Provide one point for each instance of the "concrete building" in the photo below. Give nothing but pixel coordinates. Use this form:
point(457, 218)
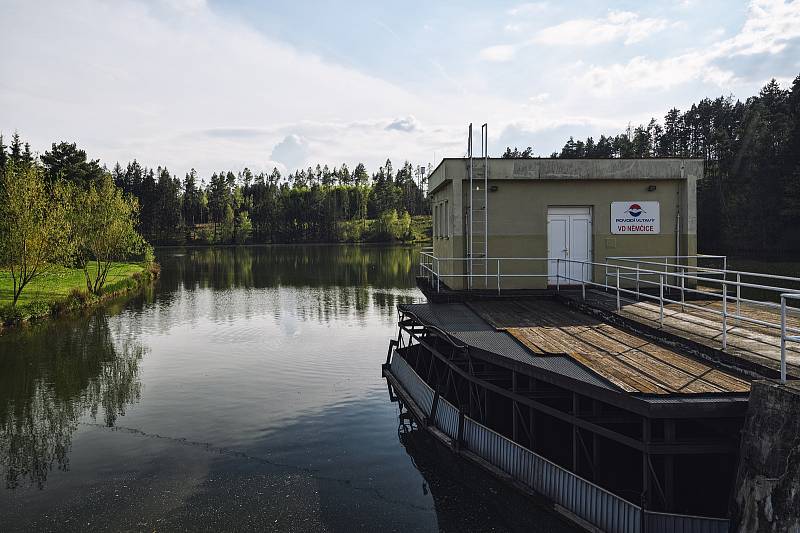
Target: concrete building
point(572, 209)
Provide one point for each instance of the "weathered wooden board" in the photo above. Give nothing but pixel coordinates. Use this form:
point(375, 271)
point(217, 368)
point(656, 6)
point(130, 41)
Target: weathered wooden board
point(633, 364)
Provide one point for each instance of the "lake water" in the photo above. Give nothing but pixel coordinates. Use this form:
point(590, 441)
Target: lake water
point(241, 392)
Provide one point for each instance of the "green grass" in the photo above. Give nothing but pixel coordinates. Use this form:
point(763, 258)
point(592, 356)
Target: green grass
point(63, 289)
point(59, 282)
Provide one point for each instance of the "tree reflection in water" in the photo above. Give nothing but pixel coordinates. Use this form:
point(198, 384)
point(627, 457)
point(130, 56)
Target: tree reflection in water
point(51, 374)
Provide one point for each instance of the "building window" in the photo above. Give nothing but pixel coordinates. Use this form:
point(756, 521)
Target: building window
point(446, 220)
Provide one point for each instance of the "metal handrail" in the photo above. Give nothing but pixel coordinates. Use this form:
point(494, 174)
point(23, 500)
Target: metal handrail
point(709, 269)
point(784, 329)
point(664, 280)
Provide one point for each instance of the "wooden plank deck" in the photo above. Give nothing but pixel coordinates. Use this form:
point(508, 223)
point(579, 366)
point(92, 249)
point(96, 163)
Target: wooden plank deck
point(634, 364)
point(753, 342)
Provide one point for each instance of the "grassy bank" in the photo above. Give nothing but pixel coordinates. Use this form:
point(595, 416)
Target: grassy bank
point(62, 290)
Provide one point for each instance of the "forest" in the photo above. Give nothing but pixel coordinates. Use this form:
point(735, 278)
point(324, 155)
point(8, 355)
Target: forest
point(749, 199)
point(318, 204)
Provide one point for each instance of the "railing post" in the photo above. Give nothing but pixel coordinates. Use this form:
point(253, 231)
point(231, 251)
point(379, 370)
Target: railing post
point(724, 314)
point(638, 296)
point(618, 304)
point(558, 275)
point(738, 294)
point(683, 286)
point(583, 280)
point(498, 277)
point(661, 300)
point(783, 338)
point(438, 275)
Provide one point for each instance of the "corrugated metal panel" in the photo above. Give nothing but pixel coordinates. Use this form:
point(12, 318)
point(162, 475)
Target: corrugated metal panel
point(419, 390)
point(588, 501)
point(447, 418)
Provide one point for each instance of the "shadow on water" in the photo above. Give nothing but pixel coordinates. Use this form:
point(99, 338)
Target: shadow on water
point(469, 499)
point(51, 375)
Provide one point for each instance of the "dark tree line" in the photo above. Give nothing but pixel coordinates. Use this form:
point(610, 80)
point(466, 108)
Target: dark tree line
point(749, 198)
point(319, 204)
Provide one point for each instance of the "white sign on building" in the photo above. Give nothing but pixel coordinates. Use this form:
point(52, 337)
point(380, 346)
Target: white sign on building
point(635, 218)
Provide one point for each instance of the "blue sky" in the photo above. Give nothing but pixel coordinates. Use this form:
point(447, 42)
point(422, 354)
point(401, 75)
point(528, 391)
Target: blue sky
point(217, 84)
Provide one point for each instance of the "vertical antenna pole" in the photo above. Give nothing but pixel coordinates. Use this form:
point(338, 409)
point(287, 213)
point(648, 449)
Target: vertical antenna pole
point(469, 237)
point(486, 192)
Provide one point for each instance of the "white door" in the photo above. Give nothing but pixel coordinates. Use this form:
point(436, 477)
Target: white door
point(569, 236)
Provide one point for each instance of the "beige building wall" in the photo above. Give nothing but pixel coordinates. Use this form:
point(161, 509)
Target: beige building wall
point(525, 189)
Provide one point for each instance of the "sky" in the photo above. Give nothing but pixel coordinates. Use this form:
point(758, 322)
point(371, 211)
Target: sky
point(212, 84)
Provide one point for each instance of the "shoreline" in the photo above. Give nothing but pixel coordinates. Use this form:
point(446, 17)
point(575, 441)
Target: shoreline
point(287, 244)
point(77, 300)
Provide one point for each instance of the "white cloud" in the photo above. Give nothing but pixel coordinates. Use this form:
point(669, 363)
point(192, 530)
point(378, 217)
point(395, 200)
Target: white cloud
point(405, 124)
point(127, 81)
point(176, 83)
point(291, 152)
point(616, 26)
point(623, 26)
point(769, 27)
point(527, 8)
point(643, 73)
point(498, 53)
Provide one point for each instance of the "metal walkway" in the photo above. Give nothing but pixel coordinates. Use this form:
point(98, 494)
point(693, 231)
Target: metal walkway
point(701, 323)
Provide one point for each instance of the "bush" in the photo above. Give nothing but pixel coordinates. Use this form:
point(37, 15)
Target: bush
point(392, 227)
point(205, 235)
point(21, 312)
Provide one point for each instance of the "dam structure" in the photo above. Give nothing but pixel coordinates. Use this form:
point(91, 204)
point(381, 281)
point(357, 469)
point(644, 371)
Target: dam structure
point(575, 344)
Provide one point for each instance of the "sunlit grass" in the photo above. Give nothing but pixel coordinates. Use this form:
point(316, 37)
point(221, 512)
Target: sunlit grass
point(58, 282)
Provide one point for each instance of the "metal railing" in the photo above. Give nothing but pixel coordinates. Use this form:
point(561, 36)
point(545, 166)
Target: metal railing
point(588, 501)
point(662, 282)
point(784, 330)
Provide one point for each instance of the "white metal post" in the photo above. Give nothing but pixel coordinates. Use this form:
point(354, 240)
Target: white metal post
point(470, 243)
point(618, 305)
point(558, 275)
point(683, 285)
point(638, 296)
point(438, 276)
point(783, 339)
point(583, 280)
point(738, 294)
point(724, 314)
point(661, 300)
point(498, 277)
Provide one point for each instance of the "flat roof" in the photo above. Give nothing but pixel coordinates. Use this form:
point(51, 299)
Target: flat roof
point(547, 168)
point(628, 366)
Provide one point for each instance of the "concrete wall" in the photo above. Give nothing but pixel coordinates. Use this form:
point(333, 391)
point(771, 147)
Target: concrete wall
point(767, 490)
point(525, 190)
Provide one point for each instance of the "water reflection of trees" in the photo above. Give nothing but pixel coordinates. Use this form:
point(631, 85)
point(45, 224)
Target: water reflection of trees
point(51, 375)
point(296, 266)
point(316, 282)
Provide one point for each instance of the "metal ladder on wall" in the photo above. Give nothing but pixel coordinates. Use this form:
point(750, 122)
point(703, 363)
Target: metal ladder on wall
point(478, 214)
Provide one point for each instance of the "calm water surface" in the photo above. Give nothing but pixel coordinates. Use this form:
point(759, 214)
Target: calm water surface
point(242, 391)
